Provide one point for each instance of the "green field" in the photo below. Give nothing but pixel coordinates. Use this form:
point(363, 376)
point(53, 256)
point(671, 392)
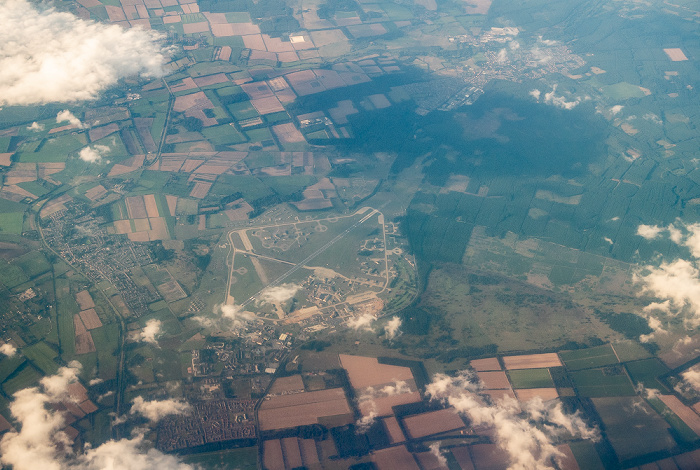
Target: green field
point(186, 206)
point(587, 358)
point(33, 263)
point(42, 356)
point(106, 340)
point(602, 383)
point(632, 427)
point(623, 91)
point(586, 455)
point(24, 377)
point(242, 110)
point(9, 364)
point(233, 459)
point(259, 135)
point(11, 223)
point(55, 149)
point(647, 372)
point(67, 307)
point(673, 419)
point(223, 134)
point(630, 351)
point(530, 378)
point(11, 275)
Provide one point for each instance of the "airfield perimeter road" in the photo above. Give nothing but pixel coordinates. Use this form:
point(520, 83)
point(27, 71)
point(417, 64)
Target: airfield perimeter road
point(296, 267)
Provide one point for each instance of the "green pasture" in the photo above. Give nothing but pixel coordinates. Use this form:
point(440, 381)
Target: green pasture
point(11, 275)
point(33, 263)
point(55, 149)
point(106, 339)
point(685, 433)
point(588, 358)
point(646, 372)
point(633, 427)
point(223, 135)
point(586, 455)
point(602, 383)
point(245, 458)
point(242, 110)
point(11, 223)
point(10, 364)
point(630, 351)
point(25, 377)
point(530, 378)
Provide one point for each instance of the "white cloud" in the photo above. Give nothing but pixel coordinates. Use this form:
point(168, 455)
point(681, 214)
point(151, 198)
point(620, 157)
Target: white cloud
point(649, 232)
point(279, 294)
point(93, 154)
point(366, 401)
point(50, 56)
point(35, 126)
point(40, 443)
point(398, 387)
point(680, 233)
point(364, 423)
point(527, 435)
point(542, 56)
point(435, 450)
point(67, 116)
point(226, 317)
point(37, 443)
point(150, 331)
point(104, 395)
point(615, 110)
point(648, 393)
point(502, 56)
point(364, 322)
point(692, 378)
point(560, 101)
point(128, 454)
point(653, 118)
point(655, 324)
point(155, 410)
point(535, 94)
point(678, 282)
point(8, 350)
point(392, 328)
point(692, 240)
point(95, 382)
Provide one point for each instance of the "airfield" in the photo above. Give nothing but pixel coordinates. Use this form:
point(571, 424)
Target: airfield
point(320, 207)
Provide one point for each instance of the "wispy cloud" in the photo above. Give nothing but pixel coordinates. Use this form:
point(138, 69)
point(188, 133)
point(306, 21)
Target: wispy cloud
point(278, 294)
point(528, 434)
point(363, 322)
point(435, 450)
point(50, 56)
point(366, 401)
point(67, 116)
point(676, 283)
point(155, 410)
point(560, 101)
point(393, 328)
point(94, 153)
point(41, 443)
point(8, 350)
point(151, 331)
point(226, 317)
